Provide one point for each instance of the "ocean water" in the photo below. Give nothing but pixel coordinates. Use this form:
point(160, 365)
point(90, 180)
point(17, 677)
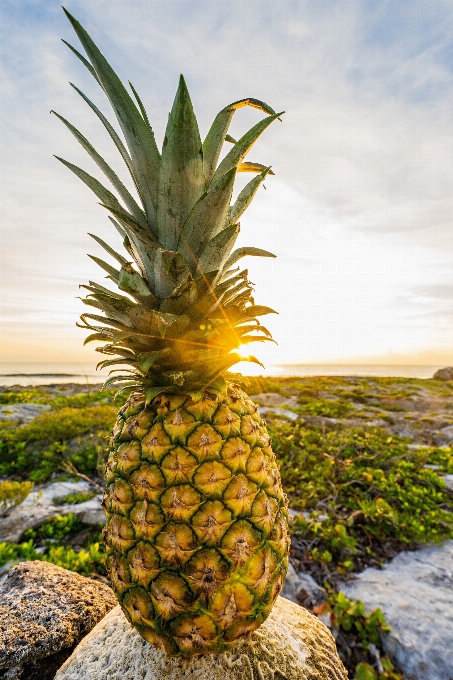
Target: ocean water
point(50, 373)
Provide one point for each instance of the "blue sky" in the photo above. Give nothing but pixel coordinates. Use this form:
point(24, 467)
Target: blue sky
point(359, 213)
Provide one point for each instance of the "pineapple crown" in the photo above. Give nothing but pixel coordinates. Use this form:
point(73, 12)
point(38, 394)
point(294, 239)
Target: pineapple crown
point(187, 305)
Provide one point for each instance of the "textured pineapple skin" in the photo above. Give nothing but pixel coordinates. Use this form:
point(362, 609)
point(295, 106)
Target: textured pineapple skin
point(197, 522)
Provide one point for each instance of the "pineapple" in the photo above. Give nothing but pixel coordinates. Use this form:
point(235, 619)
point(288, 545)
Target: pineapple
point(197, 522)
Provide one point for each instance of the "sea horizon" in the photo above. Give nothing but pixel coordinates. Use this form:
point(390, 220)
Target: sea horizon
point(45, 373)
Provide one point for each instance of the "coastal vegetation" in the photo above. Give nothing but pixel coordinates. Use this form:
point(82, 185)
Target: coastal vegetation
point(363, 466)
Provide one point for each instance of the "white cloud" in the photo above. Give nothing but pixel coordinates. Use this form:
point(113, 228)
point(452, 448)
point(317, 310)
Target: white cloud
point(360, 210)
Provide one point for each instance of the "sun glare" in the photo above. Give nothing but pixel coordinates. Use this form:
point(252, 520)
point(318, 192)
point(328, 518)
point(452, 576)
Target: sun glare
point(243, 350)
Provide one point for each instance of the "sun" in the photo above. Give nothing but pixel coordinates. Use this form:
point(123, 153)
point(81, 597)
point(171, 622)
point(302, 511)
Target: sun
point(243, 350)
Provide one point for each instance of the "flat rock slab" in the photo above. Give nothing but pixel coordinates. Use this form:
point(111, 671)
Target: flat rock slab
point(302, 589)
point(272, 405)
point(22, 414)
point(273, 399)
point(415, 593)
point(44, 612)
point(39, 506)
point(291, 644)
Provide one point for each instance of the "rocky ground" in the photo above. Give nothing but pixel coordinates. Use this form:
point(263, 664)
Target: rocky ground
point(55, 436)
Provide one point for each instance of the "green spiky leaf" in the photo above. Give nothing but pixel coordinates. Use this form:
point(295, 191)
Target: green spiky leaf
point(108, 199)
point(258, 310)
point(207, 218)
point(246, 196)
point(113, 273)
point(119, 258)
point(246, 250)
point(243, 146)
point(217, 250)
point(181, 179)
point(118, 143)
point(139, 137)
point(108, 172)
point(212, 145)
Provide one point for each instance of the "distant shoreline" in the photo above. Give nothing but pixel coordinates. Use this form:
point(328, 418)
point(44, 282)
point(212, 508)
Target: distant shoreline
point(39, 375)
point(35, 374)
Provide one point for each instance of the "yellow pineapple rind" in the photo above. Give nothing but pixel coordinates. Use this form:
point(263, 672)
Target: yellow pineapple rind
point(197, 523)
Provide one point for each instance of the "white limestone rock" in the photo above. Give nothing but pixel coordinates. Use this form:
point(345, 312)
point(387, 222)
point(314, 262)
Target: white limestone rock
point(448, 479)
point(270, 413)
point(292, 643)
point(272, 405)
point(22, 414)
point(39, 506)
point(415, 593)
point(302, 588)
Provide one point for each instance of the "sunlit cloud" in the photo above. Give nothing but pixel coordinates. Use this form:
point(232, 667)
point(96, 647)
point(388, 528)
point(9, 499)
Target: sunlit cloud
point(360, 211)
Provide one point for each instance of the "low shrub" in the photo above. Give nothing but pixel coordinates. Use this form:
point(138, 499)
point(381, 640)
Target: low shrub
point(67, 422)
point(74, 498)
point(55, 528)
point(12, 494)
point(360, 490)
point(23, 397)
point(37, 450)
point(13, 552)
point(359, 634)
point(329, 408)
point(84, 562)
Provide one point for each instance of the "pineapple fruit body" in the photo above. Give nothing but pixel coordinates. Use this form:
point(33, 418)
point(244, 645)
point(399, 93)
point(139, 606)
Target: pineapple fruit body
point(197, 530)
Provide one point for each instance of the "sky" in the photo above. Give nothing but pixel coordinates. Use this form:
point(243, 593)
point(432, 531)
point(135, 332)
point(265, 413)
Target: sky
point(359, 213)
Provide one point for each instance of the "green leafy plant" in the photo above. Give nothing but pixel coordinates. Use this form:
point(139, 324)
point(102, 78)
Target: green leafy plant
point(13, 552)
point(55, 528)
point(329, 408)
point(84, 562)
point(367, 487)
point(12, 494)
point(350, 615)
point(350, 620)
point(65, 423)
point(74, 498)
point(364, 671)
point(25, 396)
point(39, 449)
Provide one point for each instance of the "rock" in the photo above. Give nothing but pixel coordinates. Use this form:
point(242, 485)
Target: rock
point(271, 405)
point(444, 374)
point(302, 589)
point(293, 514)
point(445, 434)
point(273, 399)
point(44, 612)
point(291, 585)
point(292, 644)
point(415, 593)
point(22, 414)
point(39, 506)
point(270, 413)
point(448, 479)
point(90, 512)
point(319, 421)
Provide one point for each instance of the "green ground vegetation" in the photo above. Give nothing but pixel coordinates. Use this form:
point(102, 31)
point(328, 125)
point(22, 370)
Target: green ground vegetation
point(360, 492)
point(12, 494)
point(62, 540)
point(78, 434)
